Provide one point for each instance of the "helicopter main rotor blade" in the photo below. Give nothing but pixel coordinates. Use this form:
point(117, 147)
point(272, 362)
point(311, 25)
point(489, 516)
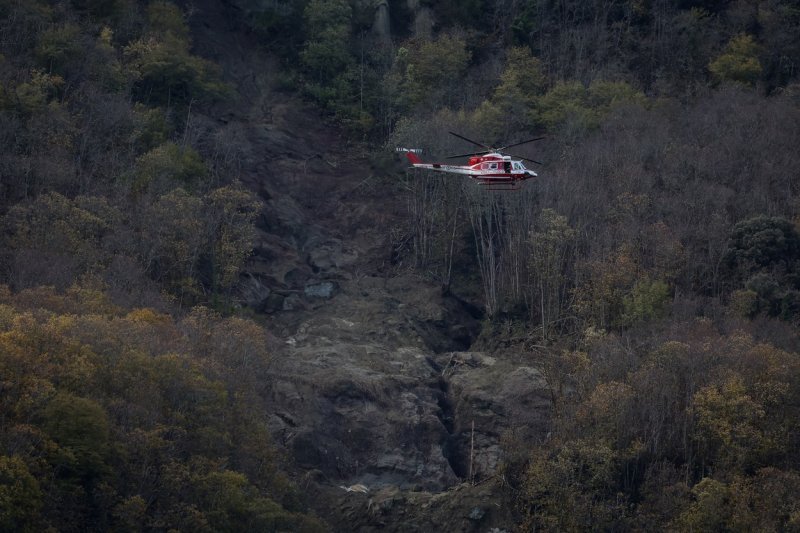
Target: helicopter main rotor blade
point(489, 148)
point(519, 143)
point(527, 159)
point(467, 155)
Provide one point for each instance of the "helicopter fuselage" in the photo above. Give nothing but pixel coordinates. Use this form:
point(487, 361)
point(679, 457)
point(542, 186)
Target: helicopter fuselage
point(487, 169)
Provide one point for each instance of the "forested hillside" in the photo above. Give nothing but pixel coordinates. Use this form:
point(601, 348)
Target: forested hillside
point(122, 405)
point(177, 234)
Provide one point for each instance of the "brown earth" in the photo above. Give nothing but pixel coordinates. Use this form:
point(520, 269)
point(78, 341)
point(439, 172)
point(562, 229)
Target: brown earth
point(372, 383)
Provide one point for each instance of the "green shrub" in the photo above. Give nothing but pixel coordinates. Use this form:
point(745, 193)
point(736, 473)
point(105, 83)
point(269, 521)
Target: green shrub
point(152, 127)
point(167, 165)
point(763, 242)
point(166, 17)
point(58, 47)
point(163, 70)
point(165, 73)
point(744, 303)
point(20, 496)
point(428, 73)
point(738, 62)
point(80, 428)
point(326, 53)
point(584, 107)
point(34, 95)
point(648, 300)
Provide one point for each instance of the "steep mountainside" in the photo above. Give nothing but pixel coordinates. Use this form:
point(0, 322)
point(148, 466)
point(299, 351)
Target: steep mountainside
point(226, 304)
point(372, 385)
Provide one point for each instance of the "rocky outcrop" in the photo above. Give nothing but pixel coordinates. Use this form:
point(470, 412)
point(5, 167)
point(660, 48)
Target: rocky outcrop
point(356, 394)
point(360, 396)
point(465, 507)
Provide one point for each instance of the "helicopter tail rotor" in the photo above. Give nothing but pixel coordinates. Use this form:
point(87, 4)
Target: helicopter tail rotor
point(411, 154)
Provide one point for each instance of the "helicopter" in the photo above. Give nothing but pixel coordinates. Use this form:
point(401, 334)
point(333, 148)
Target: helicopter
point(489, 167)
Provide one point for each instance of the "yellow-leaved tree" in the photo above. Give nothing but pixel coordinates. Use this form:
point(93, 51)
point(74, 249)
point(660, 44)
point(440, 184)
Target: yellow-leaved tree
point(739, 62)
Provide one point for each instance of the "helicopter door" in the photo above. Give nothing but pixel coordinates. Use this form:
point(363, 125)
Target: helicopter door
point(507, 167)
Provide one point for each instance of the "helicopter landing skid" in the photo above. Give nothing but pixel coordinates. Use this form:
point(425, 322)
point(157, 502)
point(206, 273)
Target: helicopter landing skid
point(501, 186)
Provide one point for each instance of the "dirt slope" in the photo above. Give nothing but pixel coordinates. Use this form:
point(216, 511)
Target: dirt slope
point(370, 385)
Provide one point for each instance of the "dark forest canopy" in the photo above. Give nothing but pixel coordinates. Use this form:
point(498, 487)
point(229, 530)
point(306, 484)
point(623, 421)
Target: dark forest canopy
point(365, 61)
point(653, 272)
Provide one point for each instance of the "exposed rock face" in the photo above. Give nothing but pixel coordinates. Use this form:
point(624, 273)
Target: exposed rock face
point(381, 26)
point(423, 23)
point(371, 384)
point(357, 392)
point(491, 396)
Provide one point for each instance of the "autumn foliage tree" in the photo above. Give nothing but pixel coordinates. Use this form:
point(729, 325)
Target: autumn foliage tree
point(134, 406)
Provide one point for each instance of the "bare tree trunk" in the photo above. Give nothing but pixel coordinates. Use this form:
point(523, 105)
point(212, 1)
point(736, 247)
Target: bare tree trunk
point(484, 217)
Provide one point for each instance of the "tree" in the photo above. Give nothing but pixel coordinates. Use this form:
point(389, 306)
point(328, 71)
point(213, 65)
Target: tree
point(765, 253)
point(20, 496)
point(80, 428)
point(165, 73)
point(648, 300)
point(165, 17)
point(232, 211)
point(710, 509)
point(766, 501)
point(326, 54)
point(738, 62)
point(232, 504)
point(572, 488)
point(572, 105)
point(163, 70)
point(166, 166)
point(119, 418)
point(603, 286)
point(606, 414)
point(430, 73)
point(151, 128)
point(763, 243)
point(729, 422)
point(551, 247)
point(34, 95)
point(486, 215)
point(172, 240)
point(71, 232)
point(275, 23)
point(58, 47)
point(511, 107)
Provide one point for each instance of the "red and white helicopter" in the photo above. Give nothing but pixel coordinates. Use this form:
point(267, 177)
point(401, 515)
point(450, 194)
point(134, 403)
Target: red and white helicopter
point(489, 167)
